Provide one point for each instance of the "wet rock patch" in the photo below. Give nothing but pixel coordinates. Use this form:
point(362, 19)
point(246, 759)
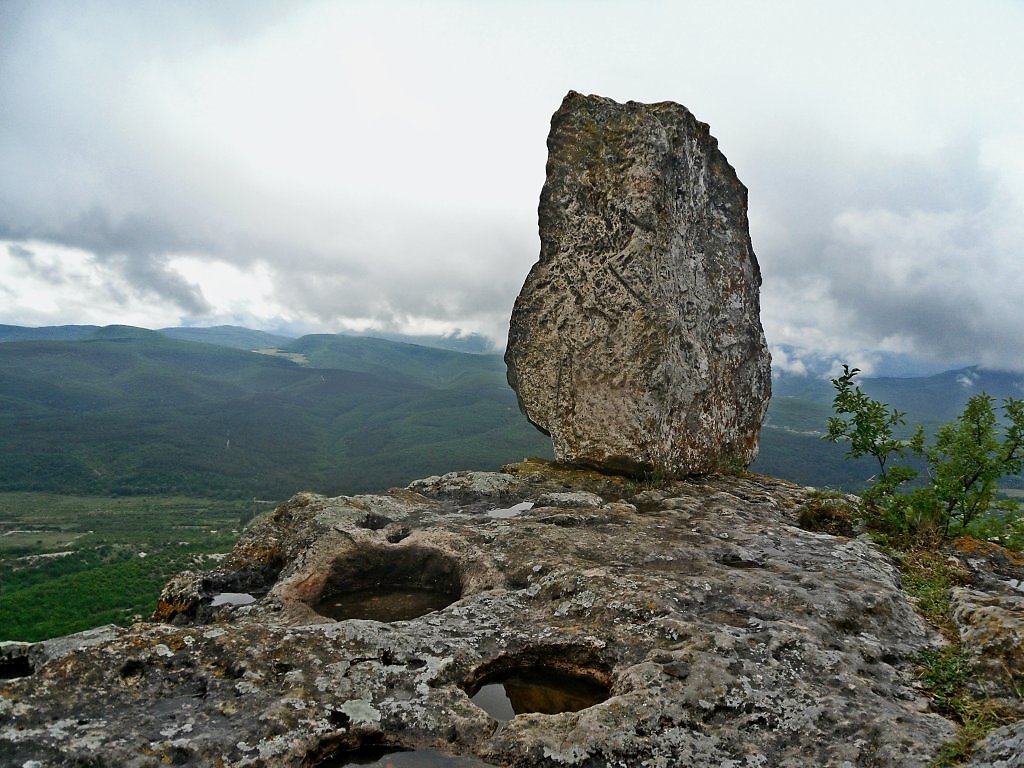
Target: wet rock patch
point(542, 680)
point(389, 584)
point(537, 689)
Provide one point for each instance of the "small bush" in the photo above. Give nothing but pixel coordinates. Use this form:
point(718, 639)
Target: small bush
point(964, 463)
point(829, 512)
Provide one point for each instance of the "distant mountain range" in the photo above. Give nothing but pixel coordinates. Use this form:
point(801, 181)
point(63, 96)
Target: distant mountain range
point(246, 338)
point(791, 444)
point(235, 412)
point(128, 410)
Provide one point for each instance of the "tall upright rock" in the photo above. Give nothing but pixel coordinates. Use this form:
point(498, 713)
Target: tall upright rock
point(636, 341)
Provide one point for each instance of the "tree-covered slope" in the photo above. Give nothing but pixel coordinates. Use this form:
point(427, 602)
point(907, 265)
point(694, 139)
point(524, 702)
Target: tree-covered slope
point(45, 333)
point(791, 444)
point(228, 336)
point(132, 411)
point(427, 365)
point(126, 410)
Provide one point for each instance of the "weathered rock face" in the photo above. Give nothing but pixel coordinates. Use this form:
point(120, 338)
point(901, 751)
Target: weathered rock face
point(636, 341)
point(989, 617)
point(725, 635)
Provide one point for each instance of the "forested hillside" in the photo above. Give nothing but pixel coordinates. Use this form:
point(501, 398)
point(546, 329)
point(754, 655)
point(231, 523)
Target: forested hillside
point(121, 410)
point(791, 444)
point(129, 411)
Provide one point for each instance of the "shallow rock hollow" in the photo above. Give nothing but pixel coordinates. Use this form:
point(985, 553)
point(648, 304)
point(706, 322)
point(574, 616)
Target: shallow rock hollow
point(725, 635)
point(636, 341)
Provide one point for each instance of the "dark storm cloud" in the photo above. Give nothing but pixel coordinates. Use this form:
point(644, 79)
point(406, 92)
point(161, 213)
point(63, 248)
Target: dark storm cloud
point(47, 272)
point(136, 248)
point(449, 272)
point(918, 250)
point(152, 277)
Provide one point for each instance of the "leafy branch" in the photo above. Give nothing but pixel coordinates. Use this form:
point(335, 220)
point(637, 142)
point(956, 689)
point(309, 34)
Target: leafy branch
point(965, 462)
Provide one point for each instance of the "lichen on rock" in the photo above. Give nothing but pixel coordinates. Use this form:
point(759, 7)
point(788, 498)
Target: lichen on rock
point(725, 634)
point(636, 341)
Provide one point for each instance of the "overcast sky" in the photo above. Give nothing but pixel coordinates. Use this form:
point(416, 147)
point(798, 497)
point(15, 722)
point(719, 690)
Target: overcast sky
point(321, 166)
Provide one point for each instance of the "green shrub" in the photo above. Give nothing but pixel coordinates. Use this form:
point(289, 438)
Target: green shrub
point(829, 512)
point(963, 465)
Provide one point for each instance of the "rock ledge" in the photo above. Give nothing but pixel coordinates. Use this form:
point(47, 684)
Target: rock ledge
point(726, 635)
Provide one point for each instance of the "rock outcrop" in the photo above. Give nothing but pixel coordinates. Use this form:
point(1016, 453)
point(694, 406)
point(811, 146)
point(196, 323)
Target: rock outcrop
point(720, 632)
point(989, 617)
point(636, 341)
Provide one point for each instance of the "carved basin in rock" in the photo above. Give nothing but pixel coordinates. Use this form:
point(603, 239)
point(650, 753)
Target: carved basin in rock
point(356, 748)
point(392, 757)
point(388, 584)
point(543, 680)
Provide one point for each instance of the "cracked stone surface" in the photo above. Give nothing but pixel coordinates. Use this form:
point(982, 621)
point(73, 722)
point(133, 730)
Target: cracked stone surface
point(1003, 748)
point(989, 617)
point(727, 636)
point(636, 341)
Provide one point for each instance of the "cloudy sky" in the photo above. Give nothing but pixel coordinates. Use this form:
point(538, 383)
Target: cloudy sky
point(321, 166)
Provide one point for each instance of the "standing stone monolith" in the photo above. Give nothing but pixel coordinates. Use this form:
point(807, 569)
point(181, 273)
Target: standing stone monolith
point(636, 341)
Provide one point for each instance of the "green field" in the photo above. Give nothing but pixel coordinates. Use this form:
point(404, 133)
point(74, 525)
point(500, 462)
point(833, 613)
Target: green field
point(69, 563)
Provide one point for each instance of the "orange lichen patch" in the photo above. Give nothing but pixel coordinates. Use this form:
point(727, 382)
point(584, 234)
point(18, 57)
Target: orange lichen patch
point(268, 554)
point(308, 588)
point(972, 546)
point(404, 494)
point(165, 611)
point(174, 642)
point(283, 513)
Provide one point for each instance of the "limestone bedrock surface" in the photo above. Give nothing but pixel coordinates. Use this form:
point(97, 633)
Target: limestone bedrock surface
point(726, 635)
point(636, 341)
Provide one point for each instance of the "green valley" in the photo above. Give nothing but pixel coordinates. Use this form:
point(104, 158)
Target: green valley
point(127, 455)
point(125, 411)
point(68, 563)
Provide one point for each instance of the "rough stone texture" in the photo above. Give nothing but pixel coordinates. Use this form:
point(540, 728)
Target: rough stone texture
point(1003, 748)
point(989, 617)
point(729, 637)
point(636, 341)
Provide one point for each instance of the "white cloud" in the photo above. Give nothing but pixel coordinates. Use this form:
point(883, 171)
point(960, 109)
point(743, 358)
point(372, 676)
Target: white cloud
point(58, 285)
point(967, 379)
point(783, 362)
point(341, 165)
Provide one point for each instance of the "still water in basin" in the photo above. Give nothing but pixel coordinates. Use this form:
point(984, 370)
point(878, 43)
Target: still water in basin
point(387, 603)
point(538, 690)
point(386, 757)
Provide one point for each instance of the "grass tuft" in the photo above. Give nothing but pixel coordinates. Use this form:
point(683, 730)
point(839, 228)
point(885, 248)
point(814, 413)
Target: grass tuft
point(927, 576)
